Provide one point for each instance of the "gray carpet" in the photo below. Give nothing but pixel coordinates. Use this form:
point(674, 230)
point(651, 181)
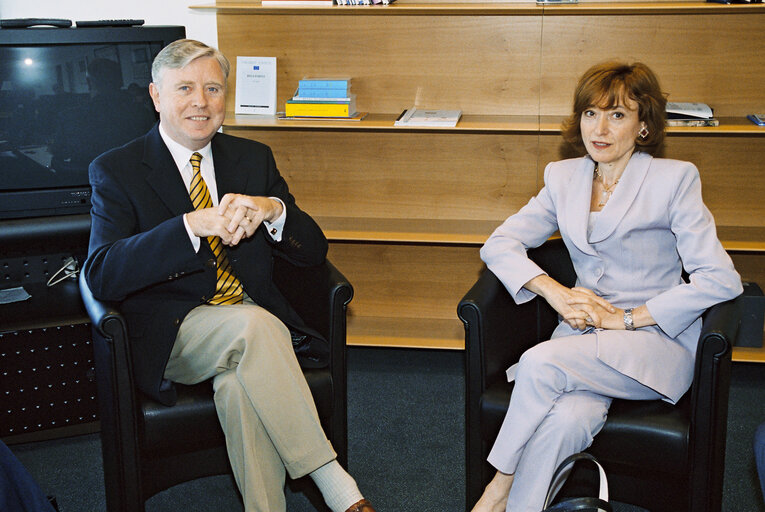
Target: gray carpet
point(406, 443)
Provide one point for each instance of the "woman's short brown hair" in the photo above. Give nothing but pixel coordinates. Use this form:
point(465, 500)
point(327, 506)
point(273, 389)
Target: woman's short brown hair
point(610, 83)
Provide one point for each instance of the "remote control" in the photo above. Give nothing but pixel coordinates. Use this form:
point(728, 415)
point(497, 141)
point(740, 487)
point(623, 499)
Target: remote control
point(33, 22)
point(109, 23)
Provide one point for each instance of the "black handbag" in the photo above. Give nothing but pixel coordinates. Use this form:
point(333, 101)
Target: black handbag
point(585, 504)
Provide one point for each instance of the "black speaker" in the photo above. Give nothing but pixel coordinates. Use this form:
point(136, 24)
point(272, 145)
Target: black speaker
point(47, 379)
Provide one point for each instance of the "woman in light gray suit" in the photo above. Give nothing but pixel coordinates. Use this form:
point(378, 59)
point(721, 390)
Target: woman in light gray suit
point(629, 328)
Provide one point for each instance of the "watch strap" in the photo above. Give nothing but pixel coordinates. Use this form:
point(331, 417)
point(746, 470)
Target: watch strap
point(629, 324)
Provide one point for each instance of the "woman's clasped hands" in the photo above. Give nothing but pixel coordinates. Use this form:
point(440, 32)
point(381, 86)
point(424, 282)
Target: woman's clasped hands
point(579, 307)
point(586, 309)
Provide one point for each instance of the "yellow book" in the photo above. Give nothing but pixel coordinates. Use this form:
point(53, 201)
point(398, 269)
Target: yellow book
point(318, 109)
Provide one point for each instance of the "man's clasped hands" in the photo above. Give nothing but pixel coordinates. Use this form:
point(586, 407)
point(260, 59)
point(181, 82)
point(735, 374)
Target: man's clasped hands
point(237, 216)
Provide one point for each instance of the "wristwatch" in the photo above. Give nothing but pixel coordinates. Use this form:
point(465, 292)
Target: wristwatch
point(628, 323)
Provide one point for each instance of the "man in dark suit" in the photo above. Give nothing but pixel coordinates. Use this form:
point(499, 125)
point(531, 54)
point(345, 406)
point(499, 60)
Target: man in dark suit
point(194, 276)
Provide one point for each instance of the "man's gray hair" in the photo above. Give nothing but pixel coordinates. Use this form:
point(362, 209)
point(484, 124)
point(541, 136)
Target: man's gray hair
point(181, 53)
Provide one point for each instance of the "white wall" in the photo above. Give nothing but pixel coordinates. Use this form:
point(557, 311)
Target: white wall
point(199, 25)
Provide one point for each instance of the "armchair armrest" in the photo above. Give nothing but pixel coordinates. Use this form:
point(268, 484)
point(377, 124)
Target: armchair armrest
point(713, 355)
point(497, 331)
point(104, 316)
point(319, 294)
point(709, 396)
point(110, 347)
point(114, 381)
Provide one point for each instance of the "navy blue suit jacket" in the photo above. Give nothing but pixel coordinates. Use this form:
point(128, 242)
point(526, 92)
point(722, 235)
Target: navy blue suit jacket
point(140, 253)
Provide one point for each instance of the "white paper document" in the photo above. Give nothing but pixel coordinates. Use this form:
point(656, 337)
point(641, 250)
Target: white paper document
point(424, 117)
point(692, 110)
point(256, 85)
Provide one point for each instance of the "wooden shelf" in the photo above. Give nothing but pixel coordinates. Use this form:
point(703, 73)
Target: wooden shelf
point(475, 232)
point(470, 123)
point(499, 8)
point(748, 355)
point(440, 231)
point(406, 332)
point(745, 239)
point(654, 8)
point(467, 123)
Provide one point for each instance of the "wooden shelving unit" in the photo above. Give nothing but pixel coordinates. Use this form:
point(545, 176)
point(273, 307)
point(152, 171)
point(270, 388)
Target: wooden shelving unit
point(406, 210)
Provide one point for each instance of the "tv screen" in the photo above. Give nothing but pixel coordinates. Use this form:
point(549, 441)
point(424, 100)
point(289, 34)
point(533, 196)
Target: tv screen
point(66, 96)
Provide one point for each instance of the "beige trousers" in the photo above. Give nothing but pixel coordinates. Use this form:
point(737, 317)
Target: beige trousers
point(263, 401)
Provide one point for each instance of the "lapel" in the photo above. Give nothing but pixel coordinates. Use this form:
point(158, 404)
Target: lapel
point(623, 197)
point(228, 177)
point(163, 175)
point(577, 210)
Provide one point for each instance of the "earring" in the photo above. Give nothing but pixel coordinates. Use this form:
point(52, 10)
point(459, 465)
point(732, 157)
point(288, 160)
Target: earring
point(643, 132)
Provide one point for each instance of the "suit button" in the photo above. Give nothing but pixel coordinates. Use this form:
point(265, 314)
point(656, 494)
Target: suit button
point(211, 263)
point(177, 322)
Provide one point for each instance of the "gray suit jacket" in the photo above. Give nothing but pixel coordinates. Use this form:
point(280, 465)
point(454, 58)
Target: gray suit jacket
point(654, 225)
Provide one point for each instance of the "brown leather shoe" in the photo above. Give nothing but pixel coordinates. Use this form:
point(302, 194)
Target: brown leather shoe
point(361, 506)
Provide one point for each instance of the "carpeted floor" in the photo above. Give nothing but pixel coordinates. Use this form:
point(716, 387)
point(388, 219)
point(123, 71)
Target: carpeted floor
point(406, 443)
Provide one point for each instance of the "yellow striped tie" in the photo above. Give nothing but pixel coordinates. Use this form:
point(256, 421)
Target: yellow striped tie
point(228, 289)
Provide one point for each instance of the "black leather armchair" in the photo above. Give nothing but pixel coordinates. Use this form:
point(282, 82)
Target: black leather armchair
point(148, 447)
point(658, 456)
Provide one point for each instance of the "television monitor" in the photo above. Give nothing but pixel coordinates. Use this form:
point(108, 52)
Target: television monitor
point(66, 96)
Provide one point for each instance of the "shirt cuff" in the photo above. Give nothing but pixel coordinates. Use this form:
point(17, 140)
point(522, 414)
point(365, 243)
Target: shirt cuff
point(276, 227)
point(196, 242)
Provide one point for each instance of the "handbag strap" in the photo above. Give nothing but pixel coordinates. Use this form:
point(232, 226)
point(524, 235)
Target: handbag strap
point(557, 478)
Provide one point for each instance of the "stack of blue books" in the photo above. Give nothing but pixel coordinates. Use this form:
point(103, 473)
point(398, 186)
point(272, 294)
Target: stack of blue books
point(322, 97)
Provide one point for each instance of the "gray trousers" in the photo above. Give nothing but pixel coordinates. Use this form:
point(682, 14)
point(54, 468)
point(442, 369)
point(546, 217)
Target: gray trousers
point(263, 401)
point(560, 401)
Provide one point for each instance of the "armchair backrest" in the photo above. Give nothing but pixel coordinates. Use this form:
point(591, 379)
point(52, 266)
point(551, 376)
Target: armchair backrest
point(553, 258)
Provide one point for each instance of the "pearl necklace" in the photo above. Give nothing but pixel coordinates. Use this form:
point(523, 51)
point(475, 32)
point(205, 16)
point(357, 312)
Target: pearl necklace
point(607, 190)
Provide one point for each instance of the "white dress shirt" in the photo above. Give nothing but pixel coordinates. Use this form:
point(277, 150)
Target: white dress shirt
point(182, 156)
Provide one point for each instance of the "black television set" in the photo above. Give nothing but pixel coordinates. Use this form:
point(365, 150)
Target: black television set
point(66, 96)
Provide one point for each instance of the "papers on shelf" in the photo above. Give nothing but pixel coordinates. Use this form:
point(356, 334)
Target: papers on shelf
point(690, 114)
point(689, 111)
point(424, 117)
point(365, 2)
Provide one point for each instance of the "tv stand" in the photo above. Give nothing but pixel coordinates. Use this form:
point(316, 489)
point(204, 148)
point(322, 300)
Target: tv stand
point(47, 380)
